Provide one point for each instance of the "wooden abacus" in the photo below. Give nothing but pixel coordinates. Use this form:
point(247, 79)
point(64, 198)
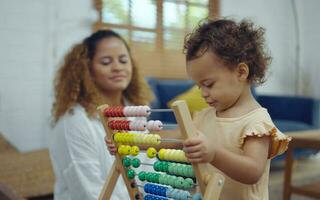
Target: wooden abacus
point(210, 184)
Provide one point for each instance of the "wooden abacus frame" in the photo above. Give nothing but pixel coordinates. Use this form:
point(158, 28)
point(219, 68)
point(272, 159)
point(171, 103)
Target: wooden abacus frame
point(210, 184)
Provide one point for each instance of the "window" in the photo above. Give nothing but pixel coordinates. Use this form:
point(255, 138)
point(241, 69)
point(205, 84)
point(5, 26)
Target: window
point(155, 29)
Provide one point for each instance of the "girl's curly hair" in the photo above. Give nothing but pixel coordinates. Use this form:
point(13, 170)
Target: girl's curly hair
point(233, 43)
point(73, 82)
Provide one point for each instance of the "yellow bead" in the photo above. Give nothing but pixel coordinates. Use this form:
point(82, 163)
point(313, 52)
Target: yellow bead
point(175, 155)
point(126, 150)
point(139, 139)
point(157, 139)
point(131, 138)
point(116, 137)
point(151, 152)
point(120, 137)
point(120, 149)
point(169, 154)
point(161, 153)
point(125, 137)
point(144, 139)
point(134, 150)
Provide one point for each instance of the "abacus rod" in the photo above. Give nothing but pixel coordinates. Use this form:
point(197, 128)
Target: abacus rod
point(171, 140)
point(161, 110)
point(169, 125)
point(146, 164)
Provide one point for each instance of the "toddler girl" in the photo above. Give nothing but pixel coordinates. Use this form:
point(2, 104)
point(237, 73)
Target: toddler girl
point(235, 134)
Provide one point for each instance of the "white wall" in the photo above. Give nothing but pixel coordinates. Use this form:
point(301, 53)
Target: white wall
point(278, 20)
point(35, 34)
point(310, 47)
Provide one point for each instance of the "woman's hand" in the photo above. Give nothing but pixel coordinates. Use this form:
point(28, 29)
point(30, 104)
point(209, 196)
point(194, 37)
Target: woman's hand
point(199, 149)
point(111, 147)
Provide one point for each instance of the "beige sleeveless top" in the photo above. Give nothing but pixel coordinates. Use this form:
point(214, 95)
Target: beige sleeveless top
point(231, 133)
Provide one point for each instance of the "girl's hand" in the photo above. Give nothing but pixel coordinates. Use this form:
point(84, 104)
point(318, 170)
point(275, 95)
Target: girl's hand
point(199, 149)
point(111, 147)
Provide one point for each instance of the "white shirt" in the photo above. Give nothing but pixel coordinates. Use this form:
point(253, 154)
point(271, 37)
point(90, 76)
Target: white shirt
point(80, 158)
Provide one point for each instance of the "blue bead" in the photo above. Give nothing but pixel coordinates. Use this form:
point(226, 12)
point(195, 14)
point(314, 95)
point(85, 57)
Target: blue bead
point(197, 196)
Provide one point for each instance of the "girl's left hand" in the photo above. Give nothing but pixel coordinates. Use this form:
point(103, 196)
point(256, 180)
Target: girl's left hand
point(199, 149)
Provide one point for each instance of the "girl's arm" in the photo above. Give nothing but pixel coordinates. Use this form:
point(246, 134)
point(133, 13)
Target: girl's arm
point(245, 168)
point(248, 167)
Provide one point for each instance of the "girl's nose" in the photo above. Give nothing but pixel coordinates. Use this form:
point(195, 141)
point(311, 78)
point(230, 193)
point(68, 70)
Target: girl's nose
point(204, 92)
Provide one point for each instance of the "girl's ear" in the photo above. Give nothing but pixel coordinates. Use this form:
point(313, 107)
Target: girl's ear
point(243, 71)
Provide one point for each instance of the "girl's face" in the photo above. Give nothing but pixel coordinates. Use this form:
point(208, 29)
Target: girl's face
point(220, 86)
point(111, 65)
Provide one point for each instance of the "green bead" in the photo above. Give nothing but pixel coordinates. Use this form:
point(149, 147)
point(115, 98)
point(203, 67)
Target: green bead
point(161, 166)
point(166, 166)
point(190, 172)
point(170, 168)
point(186, 185)
point(157, 177)
point(131, 174)
point(190, 181)
point(142, 176)
point(135, 162)
point(126, 162)
point(161, 176)
point(165, 179)
point(157, 165)
point(185, 171)
point(176, 169)
point(148, 177)
point(154, 178)
point(172, 180)
point(180, 169)
point(179, 182)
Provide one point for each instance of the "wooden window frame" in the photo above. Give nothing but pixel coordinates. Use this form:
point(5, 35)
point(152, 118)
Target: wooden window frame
point(164, 58)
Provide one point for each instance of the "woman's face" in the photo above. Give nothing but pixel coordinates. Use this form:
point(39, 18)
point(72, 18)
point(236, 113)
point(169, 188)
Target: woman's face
point(111, 65)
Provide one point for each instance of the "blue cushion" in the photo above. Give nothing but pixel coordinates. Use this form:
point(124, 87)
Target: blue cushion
point(155, 104)
point(293, 108)
point(289, 125)
point(254, 92)
point(297, 154)
point(167, 90)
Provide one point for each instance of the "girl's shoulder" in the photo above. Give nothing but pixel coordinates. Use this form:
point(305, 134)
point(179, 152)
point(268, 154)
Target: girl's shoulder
point(259, 124)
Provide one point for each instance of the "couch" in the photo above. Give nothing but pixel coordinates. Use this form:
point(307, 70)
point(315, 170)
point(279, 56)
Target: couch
point(289, 113)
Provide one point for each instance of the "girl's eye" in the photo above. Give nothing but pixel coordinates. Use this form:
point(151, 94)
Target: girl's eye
point(209, 85)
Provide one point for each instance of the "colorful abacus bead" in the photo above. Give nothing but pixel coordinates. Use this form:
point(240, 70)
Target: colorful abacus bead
point(154, 125)
point(124, 149)
point(197, 196)
point(134, 150)
point(135, 163)
point(142, 176)
point(131, 174)
point(172, 155)
point(126, 162)
point(154, 197)
point(151, 152)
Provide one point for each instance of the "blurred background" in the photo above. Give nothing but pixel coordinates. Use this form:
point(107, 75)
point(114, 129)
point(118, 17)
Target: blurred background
point(35, 35)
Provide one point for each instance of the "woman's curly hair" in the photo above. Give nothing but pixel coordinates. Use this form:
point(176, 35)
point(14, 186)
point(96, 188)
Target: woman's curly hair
point(73, 82)
point(233, 43)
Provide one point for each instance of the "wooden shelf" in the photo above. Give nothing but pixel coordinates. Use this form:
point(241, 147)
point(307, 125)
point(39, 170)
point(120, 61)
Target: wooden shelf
point(311, 190)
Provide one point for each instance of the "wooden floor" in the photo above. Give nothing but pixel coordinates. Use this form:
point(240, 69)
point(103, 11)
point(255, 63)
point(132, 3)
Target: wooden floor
point(305, 171)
